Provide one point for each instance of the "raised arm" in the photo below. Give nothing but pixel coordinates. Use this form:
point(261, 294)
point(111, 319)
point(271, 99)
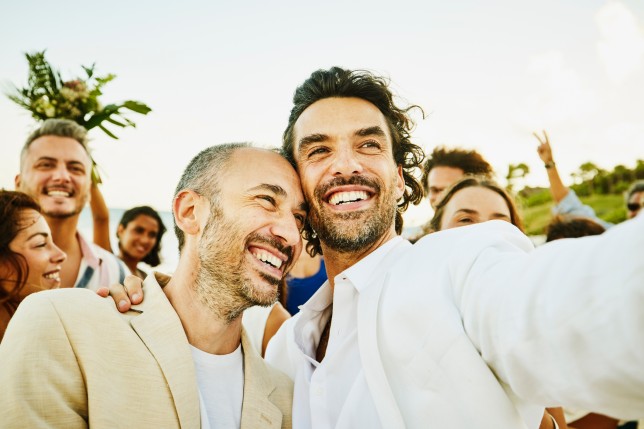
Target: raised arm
point(557, 188)
point(566, 201)
point(100, 218)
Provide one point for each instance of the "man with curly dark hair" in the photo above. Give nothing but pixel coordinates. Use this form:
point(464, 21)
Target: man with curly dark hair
point(444, 167)
point(444, 333)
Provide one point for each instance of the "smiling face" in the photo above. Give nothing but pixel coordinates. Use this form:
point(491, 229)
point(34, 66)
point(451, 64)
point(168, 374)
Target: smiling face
point(343, 151)
point(138, 237)
point(474, 205)
point(252, 236)
point(43, 257)
point(56, 173)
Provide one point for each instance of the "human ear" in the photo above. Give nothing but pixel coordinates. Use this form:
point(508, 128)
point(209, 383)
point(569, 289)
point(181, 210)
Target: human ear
point(185, 211)
point(119, 230)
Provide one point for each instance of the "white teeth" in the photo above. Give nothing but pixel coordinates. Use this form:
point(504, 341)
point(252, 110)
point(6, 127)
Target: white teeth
point(268, 258)
point(347, 197)
point(58, 194)
point(52, 276)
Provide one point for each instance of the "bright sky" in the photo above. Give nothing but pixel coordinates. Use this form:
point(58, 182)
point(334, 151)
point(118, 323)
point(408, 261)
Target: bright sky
point(486, 73)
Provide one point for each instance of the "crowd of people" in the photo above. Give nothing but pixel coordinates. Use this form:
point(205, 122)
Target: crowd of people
point(469, 327)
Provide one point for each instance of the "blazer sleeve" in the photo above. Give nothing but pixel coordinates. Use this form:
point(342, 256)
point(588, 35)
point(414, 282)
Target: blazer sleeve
point(42, 384)
point(563, 324)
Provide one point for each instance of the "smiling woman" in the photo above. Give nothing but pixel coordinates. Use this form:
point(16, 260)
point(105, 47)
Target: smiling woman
point(29, 259)
point(139, 238)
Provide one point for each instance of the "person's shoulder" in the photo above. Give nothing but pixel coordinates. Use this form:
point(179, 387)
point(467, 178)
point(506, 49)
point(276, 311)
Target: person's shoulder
point(38, 312)
point(484, 233)
point(70, 296)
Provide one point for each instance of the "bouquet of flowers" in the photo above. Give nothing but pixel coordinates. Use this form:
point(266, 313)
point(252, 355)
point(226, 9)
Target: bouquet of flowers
point(47, 95)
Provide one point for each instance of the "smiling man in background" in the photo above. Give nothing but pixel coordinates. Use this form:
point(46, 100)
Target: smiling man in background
point(55, 169)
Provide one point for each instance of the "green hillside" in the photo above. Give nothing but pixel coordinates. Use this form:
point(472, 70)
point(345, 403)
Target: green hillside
point(536, 209)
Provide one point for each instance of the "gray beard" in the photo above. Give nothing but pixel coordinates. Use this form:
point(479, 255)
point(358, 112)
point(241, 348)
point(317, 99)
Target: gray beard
point(221, 283)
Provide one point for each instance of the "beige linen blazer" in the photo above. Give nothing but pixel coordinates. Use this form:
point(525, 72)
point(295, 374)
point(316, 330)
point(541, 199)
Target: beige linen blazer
point(70, 360)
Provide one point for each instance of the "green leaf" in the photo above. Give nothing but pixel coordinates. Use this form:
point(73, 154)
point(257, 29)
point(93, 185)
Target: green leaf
point(115, 122)
point(108, 132)
point(136, 106)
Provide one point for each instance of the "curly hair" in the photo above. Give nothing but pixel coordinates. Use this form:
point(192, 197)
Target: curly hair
point(571, 227)
point(339, 82)
point(478, 182)
point(470, 161)
point(153, 257)
point(12, 207)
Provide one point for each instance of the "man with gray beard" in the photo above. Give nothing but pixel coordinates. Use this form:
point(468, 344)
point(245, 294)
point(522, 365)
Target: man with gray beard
point(181, 358)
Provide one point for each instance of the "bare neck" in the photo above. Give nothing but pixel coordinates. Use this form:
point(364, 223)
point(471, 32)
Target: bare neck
point(204, 329)
point(130, 262)
point(63, 232)
point(336, 262)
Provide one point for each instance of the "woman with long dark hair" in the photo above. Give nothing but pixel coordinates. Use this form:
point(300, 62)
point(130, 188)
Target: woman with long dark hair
point(139, 238)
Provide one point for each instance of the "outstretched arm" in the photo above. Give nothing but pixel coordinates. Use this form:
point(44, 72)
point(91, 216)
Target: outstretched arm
point(562, 324)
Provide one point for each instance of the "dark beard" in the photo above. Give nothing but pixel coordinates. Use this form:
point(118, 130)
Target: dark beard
point(222, 283)
point(368, 226)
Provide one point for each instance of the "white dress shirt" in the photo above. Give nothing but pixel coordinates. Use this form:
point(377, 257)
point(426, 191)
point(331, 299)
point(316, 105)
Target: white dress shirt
point(322, 391)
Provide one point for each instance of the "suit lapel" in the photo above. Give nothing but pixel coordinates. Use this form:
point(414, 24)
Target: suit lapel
point(368, 305)
point(160, 329)
point(257, 409)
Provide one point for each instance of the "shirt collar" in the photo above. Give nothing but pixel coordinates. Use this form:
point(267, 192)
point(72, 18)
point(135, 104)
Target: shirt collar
point(89, 256)
point(360, 273)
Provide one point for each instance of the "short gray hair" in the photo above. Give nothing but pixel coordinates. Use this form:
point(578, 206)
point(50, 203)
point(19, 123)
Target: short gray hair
point(202, 176)
point(59, 128)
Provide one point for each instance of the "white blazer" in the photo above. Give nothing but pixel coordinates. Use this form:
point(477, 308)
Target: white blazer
point(475, 329)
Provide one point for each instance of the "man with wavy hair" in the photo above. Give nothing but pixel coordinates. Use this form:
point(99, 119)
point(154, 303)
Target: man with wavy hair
point(457, 330)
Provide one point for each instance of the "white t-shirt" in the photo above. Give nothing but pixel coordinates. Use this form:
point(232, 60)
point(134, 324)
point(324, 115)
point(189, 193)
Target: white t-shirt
point(220, 379)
